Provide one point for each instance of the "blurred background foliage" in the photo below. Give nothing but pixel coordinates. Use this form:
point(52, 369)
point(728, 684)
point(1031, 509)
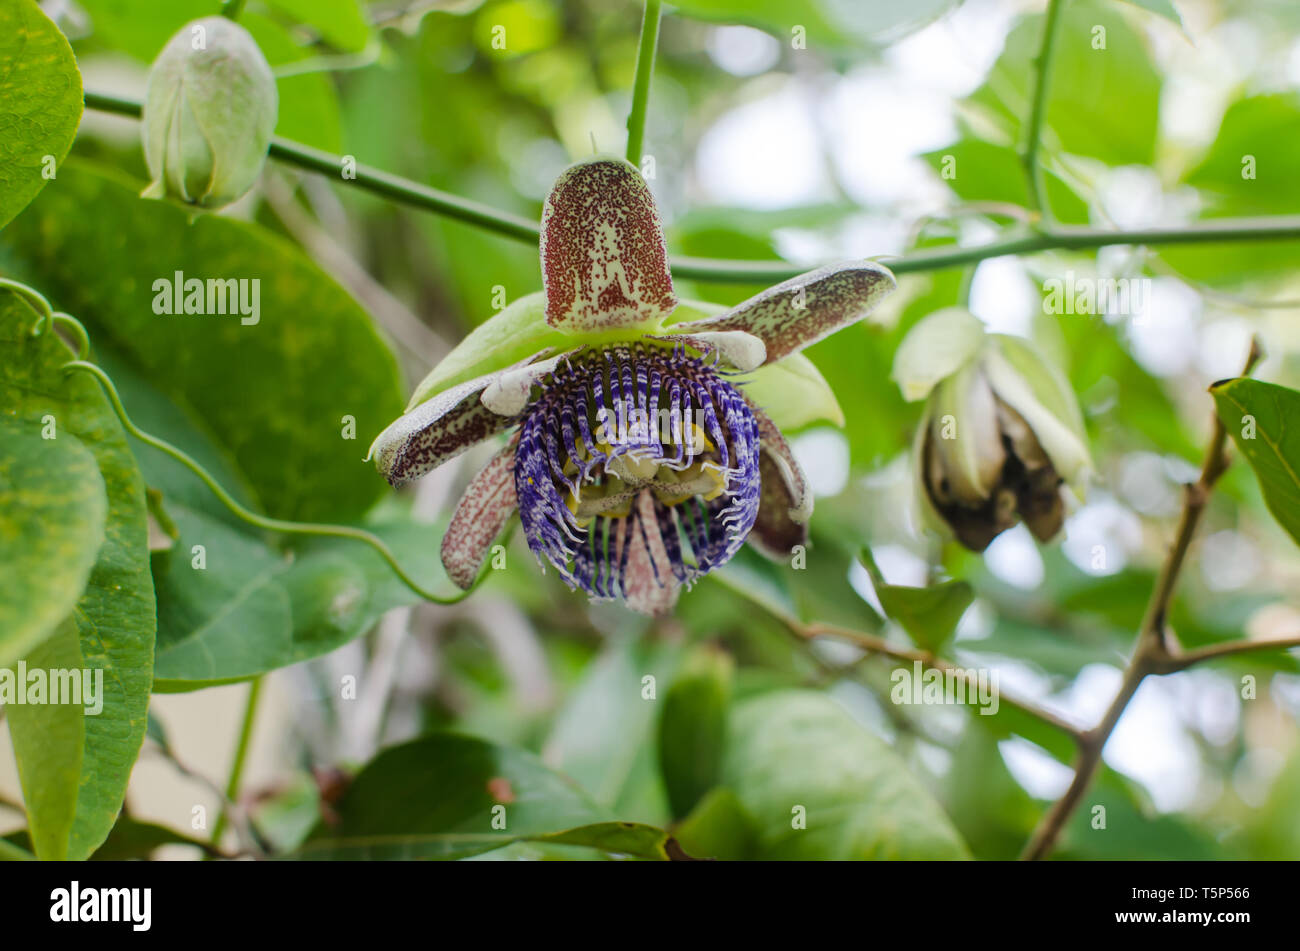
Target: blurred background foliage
point(806, 131)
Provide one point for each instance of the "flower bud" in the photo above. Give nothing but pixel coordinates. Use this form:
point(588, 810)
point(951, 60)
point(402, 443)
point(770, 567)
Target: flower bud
point(209, 112)
point(1000, 434)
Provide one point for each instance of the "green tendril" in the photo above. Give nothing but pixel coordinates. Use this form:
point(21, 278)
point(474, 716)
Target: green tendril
point(252, 518)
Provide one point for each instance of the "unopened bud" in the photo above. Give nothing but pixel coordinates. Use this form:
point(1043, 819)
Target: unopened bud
point(209, 113)
point(1000, 434)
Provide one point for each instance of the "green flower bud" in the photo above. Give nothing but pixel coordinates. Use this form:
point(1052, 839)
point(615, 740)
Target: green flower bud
point(209, 112)
point(1000, 434)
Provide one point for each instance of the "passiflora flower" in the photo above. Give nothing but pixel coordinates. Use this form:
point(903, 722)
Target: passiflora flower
point(641, 456)
point(1000, 434)
point(209, 111)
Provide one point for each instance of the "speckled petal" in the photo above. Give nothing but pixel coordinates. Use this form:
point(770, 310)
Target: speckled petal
point(604, 258)
point(785, 501)
point(444, 426)
point(796, 313)
point(481, 514)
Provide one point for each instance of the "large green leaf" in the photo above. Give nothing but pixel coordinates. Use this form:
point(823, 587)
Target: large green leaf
point(250, 609)
point(114, 618)
point(979, 171)
point(40, 103)
point(796, 752)
point(52, 511)
point(1250, 168)
point(1261, 417)
point(438, 798)
point(275, 392)
point(929, 615)
point(48, 745)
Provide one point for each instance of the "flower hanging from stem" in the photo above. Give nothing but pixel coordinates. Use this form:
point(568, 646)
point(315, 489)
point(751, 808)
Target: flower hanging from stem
point(640, 457)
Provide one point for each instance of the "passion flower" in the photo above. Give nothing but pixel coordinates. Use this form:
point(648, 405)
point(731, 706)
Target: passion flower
point(209, 111)
point(642, 456)
point(1001, 432)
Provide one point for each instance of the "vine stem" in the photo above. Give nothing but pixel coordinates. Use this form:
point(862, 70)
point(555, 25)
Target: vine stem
point(518, 228)
point(241, 756)
point(1155, 652)
point(1038, 112)
point(645, 67)
point(252, 518)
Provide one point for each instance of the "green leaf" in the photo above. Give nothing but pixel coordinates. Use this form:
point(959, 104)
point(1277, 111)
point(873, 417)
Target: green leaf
point(341, 22)
point(979, 171)
point(40, 103)
point(603, 735)
point(718, 828)
point(929, 615)
point(1260, 417)
point(693, 728)
point(133, 839)
point(1086, 84)
point(250, 609)
point(52, 511)
point(1162, 8)
point(1260, 129)
point(114, 618)
point(797, 753)
point(438, 797)
point(272, 392)
point(793, 393)
point(48, 742)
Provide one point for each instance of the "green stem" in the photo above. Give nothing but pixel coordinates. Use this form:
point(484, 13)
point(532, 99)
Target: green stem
point(241, 755)
point(231, 9)
point(252, 518)
point(1220, 230)
point(645, 67)
point(1038, 112)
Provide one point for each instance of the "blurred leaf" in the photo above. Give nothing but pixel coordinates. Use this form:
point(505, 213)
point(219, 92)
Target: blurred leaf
point(271, 392)
point(793, 393)
point(251, 609)
point(133, 839)
point(794, 753)
point(930, 614)
point(605, 729)
point(52, 511)
point(718, 828)
point(827, 22)
point(980, 171)
point(1261, 129)
point(439, 797)
point(1257, 416)
point(112, 634)
point(1132, 830)
point(994, 815)
point(40, 103)
point(1088, 80)
point(693, 728)
point(341, 22)
point(1163, 8)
